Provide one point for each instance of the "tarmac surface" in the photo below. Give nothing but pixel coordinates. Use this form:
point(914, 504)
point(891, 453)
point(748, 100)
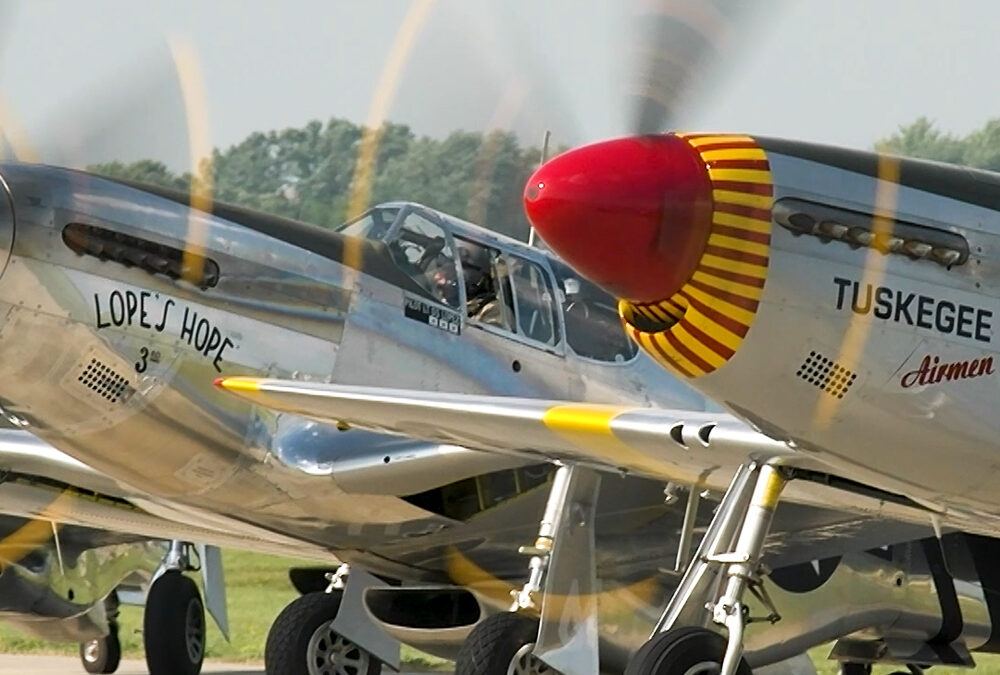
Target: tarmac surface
point(21, 664)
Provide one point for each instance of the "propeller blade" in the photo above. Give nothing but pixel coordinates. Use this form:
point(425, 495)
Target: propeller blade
point(677, 42)
point(139, 114)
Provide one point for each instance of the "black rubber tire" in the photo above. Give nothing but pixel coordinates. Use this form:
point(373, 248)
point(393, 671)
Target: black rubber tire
point(678, 650)
point(853, 668)
point(108, 653)
point(173, 602)
point(492, 645)
point(288, 639)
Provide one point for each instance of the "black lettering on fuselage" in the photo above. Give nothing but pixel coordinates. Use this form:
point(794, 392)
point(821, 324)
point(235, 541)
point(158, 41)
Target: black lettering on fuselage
point(143, 313)
point(964, 319)
point(187, 324)
point(116, 302)
point(883, 303)
point(912, 309)
point(984, 328)
point(99, 322)
point(857, 306)
point(842, 285)
point(163, 319)
point(944, 317)
point(220, 354)
point(125, 308)
point(903, 307)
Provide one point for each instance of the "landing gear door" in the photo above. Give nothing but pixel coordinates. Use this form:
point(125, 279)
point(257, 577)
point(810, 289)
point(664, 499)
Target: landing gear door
point(355, 623)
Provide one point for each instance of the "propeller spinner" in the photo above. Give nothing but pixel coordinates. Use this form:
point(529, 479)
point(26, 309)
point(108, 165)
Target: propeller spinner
point(631, 214)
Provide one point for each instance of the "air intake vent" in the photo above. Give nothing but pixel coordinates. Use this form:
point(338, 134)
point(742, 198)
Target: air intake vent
point(135, 252)
point(104, 381)
point(826, 374)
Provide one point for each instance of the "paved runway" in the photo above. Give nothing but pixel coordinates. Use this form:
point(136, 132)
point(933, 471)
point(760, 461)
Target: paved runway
point(17, 664)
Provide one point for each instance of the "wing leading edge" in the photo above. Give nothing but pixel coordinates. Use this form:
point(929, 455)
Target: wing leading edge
point(690, 447)
point(677, 445)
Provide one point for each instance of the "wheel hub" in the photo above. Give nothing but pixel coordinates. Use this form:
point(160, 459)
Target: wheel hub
point(704, 668)
point(91, 651)
point(329, 653)
point(194, 631)
point(526, 663)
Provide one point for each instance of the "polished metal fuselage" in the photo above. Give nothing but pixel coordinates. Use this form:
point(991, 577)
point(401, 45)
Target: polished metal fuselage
point(115, 365)
point(888, 319)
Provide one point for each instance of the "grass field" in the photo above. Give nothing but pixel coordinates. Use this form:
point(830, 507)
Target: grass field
point(257, 588)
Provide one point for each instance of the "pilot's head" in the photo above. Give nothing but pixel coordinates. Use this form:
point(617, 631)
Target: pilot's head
point(475, 267)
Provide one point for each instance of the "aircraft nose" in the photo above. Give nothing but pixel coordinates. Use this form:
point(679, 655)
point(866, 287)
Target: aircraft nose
point(631, 214)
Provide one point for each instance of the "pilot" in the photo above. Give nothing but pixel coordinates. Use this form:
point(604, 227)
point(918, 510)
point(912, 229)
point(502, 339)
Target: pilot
point(476, 274)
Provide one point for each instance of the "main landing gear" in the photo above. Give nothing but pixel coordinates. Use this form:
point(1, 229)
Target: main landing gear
point(329, 633)
point(731, 548)
point(302, 642)
point(561, 635)
point(173, 625)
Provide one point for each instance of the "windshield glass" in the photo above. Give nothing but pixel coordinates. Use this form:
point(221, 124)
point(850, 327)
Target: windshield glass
point(536, 317)
point(593, 329)
point(489, 299)
point(421, 249)
point(372, 224)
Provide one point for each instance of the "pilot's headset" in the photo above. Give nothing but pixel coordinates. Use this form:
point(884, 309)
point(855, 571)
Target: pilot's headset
point(475, 269)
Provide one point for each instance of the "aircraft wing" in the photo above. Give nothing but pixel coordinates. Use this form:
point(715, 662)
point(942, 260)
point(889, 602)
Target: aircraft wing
point(674, 444)
point(38, 482)
point(691, 447)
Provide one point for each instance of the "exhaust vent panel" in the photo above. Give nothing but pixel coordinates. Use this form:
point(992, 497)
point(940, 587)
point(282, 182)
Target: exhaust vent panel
point(103, 380)
point(826, 374)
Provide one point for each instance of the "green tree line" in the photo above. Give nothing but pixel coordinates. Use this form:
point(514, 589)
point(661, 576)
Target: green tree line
point(319, 173)
point(979, 148)
point(312, 173)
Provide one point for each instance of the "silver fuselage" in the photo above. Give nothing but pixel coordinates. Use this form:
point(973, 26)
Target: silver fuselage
point(113, 362)
point(883, 365)
point(115, 365)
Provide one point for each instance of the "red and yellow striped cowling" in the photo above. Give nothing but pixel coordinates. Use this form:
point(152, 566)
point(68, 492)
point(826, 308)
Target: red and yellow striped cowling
point(699, 328)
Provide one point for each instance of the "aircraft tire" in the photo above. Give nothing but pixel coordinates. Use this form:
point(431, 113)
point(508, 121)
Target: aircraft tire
point(688, 650)
point(301, 634)
point(853, 668)
point(173, 626)
point(102, 655)
point(499, 645)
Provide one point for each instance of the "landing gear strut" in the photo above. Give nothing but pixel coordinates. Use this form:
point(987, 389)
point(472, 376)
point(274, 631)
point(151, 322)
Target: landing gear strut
point(562, 577)
point(733, 545)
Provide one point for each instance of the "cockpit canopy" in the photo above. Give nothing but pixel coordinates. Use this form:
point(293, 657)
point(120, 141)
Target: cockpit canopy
point(497, 284)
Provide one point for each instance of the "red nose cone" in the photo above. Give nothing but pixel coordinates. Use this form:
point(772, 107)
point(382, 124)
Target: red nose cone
point(632, 214)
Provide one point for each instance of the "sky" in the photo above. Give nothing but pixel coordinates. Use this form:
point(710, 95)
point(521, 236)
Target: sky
point(86, 82)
